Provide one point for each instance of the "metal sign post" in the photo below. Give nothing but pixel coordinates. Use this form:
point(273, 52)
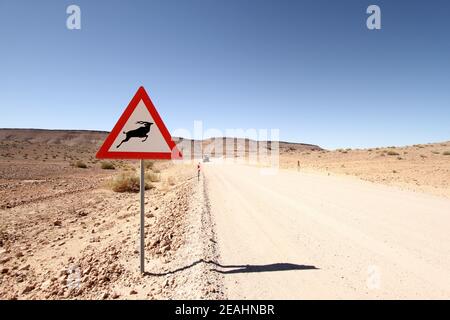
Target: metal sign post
point(142, 190)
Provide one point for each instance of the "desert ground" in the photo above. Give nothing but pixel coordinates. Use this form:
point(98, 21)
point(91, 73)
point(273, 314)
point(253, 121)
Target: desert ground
point(344, 224)
point(312, 236)
point(420, 167)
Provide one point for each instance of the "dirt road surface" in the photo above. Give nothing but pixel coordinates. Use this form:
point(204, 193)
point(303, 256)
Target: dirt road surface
point(298, 235)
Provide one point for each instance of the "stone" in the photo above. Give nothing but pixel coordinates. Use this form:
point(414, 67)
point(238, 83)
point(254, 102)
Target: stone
point(62, 272)
point(24, 267)
point(115, 295)
point(4, 260)
point(28, 288)
point(62, 280)
point(46, 284)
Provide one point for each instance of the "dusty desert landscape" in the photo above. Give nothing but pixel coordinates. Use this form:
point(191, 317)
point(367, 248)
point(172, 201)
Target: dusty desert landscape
point(310, 231)
point(421, 167)
point(64, 233)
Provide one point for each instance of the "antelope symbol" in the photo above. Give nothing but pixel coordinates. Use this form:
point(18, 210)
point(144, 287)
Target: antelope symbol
point(141, 132)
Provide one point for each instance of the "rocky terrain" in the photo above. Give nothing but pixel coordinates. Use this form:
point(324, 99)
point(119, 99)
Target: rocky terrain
point(64, 234)
point(421, 167)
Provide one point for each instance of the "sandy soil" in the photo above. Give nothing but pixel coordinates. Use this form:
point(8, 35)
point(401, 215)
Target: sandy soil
point(65, 235)
point(424, 168)
point(305, 235)
point(319, 231)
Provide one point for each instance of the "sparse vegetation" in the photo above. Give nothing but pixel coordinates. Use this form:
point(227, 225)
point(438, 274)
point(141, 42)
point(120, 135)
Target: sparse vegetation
point(80, 164)
point(171, 181)
point(152, 176)
point(126, 182)
point(392, 153)
point(149, 164)
point(107, 165)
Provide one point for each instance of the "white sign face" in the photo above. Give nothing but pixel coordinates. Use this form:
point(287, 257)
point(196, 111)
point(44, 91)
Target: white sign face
point(140, 134)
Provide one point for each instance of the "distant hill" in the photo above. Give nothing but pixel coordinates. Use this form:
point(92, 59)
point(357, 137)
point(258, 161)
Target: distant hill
point(65, 137)
point(95, 138)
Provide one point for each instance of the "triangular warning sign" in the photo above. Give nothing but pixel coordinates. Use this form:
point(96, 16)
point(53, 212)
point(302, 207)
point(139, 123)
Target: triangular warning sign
point(140, 133)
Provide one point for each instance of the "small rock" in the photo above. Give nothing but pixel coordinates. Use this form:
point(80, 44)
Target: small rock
point(4, 270)
point(67, 293)
point(28, 288)
point(133, 292)
point(105, 295)
point(82, 213)
point(158, 291)
point(4, 260)
point(24, 267)
point(62, 280)
point(87, 270)
point(46, 284)
point(115, 295)
point(19, 254)
point(57, 223)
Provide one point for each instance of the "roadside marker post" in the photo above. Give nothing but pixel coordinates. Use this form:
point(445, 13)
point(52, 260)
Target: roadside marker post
point(140, 134)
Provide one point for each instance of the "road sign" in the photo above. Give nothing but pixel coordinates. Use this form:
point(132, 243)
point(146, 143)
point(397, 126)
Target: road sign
point(140, 134)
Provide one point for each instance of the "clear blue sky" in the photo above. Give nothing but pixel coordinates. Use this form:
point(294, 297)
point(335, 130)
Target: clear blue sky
point(310, 68)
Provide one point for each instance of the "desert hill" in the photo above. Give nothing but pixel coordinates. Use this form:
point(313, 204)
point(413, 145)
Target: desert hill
point(92, 139)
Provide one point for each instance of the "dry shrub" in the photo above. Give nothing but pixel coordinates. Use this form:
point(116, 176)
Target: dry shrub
point(80, 164)
point(148, 164)
point(171, 181)
point(153, 177)
point(127, 182)
point(392, 153)
point(108, 165)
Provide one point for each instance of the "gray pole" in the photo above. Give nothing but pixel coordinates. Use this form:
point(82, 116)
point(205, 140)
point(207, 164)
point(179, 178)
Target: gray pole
point(142, 189)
